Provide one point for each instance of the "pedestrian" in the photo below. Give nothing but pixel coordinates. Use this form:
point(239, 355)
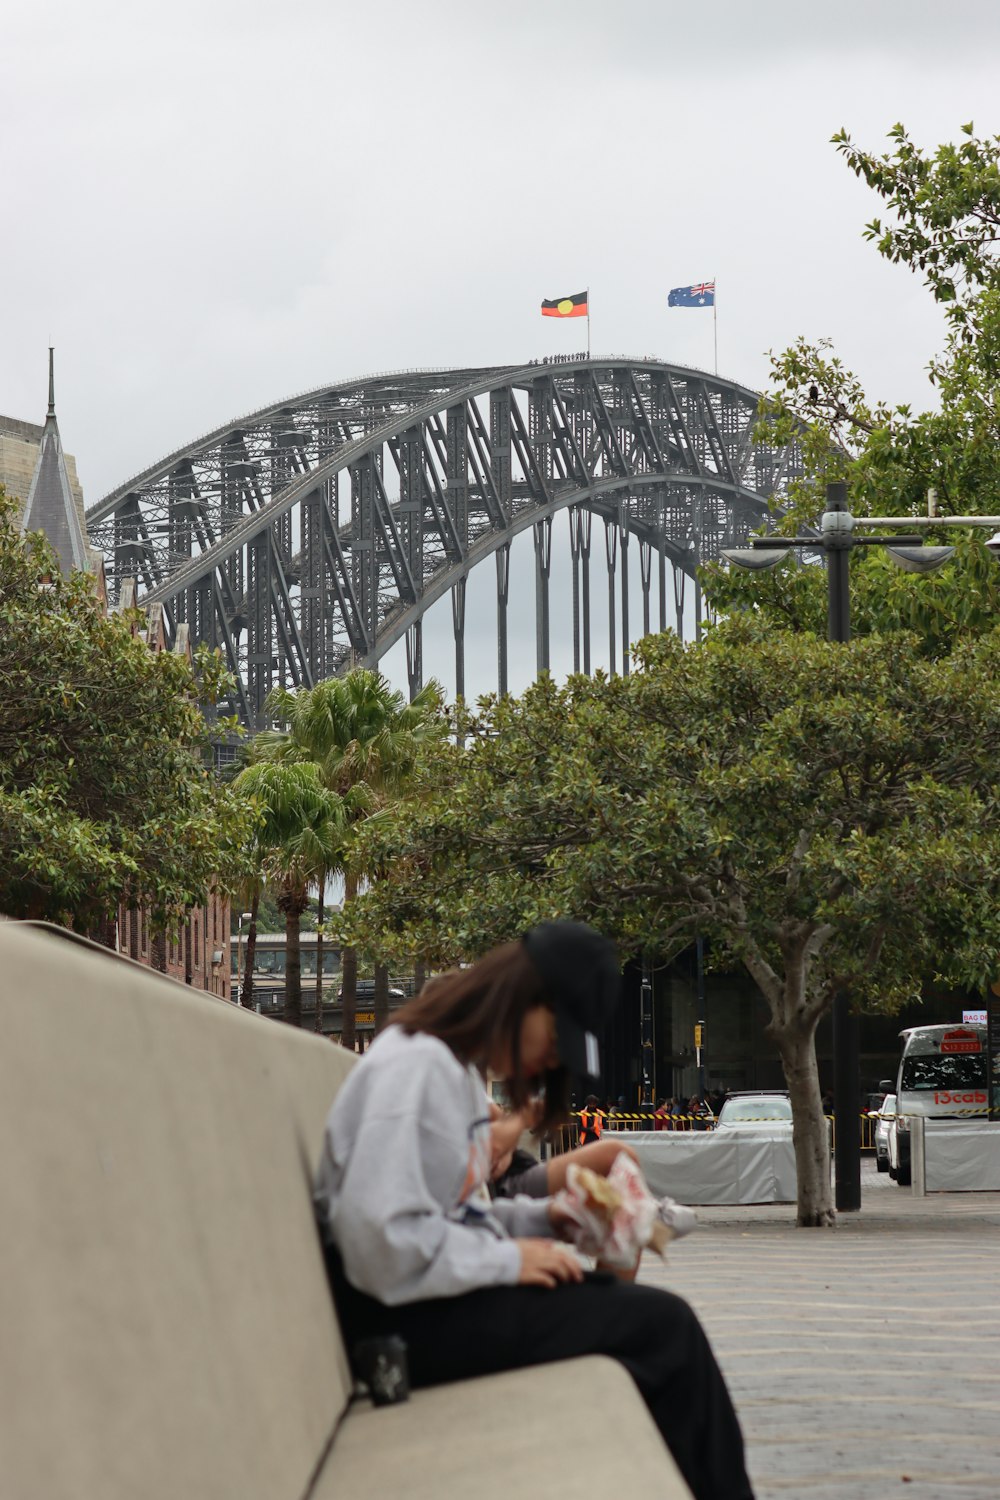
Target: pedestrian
point(591, 1122)
point(700, 1113)
point(474, 1286)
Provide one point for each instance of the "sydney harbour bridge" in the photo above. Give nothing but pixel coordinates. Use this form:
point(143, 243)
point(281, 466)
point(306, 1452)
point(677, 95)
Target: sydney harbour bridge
point(314, 534)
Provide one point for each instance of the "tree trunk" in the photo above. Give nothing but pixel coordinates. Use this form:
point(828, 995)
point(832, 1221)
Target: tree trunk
point(348, 998)
point(159, 953)
point(250, 952)
point(796, 1042)
point(381, 997)
point(319, 955)
point(419, 976)
point(292, 903)
point(349, 980)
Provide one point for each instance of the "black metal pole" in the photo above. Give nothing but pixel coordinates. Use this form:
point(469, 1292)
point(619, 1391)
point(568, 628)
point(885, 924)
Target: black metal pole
point(846, 1056)
point(646, 1036)
point(699, 958)
point(838, 584)
point(846, 1106)
point(992, 1017)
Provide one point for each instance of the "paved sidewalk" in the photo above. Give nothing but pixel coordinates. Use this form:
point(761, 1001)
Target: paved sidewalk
point(864, 1361)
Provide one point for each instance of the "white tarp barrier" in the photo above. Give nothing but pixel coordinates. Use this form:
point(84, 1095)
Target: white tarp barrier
point(716, 1166)
point(961, 1157)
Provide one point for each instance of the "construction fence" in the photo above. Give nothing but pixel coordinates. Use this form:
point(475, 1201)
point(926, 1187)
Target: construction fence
point(568, 1136)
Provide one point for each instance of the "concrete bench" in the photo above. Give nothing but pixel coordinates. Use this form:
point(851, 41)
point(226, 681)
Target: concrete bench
point(167, 1328)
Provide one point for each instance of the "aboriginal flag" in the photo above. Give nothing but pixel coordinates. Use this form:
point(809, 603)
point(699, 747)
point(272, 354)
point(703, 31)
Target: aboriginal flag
point(566, 307)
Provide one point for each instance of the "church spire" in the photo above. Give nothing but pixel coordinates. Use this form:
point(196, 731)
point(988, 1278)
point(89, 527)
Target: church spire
point(50, 506)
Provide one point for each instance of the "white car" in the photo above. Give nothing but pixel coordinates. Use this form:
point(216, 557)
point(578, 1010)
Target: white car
point(756, 1113)
point(883, 1118)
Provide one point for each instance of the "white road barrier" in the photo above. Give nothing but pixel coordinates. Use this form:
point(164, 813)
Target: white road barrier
point(959, 1156)
point(717, 1167)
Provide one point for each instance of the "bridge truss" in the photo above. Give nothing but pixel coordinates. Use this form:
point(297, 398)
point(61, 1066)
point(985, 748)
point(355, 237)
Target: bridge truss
point(314, 534)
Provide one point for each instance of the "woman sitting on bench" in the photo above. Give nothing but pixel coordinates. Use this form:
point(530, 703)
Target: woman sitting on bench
point(418, 1249)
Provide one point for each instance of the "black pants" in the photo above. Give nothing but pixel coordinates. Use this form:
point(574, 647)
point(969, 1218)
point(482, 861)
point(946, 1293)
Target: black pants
point(654, 1334)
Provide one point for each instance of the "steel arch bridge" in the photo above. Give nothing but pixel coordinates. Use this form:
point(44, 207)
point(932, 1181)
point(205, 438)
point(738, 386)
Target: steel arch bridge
point(314, 534)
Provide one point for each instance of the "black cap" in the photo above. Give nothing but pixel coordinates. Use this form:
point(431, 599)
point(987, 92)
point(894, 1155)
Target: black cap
point(579, 969)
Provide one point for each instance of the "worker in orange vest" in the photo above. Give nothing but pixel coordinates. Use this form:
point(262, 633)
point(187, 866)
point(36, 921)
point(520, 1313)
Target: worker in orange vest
point(591, 1121)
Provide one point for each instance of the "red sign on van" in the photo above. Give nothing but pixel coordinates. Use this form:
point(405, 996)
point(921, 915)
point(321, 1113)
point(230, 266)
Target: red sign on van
point(961, 1040)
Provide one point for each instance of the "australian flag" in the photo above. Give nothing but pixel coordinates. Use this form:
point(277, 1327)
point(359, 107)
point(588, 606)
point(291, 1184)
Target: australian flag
point(702, 294)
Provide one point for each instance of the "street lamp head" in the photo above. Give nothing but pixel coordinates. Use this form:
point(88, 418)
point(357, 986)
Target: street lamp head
point(837, 527)
point(920, 559)
point(994, 544)
point(754, 558)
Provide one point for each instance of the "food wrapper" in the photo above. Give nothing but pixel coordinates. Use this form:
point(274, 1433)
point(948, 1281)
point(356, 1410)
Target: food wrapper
point(612, 1218)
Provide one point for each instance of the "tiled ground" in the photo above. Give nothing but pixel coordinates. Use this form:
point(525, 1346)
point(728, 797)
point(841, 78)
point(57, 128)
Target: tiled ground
point(864, 1361)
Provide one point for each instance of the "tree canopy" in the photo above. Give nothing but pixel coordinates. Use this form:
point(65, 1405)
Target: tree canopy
point(362, 742)
point(942, 215)
point(106, 789)
point(298, 837)
point(723, 789)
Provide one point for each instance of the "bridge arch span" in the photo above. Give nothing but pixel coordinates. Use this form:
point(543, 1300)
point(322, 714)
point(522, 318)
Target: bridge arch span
point(315, 533)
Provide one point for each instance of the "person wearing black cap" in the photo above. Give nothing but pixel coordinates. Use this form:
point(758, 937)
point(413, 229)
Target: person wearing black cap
point(417, 1248)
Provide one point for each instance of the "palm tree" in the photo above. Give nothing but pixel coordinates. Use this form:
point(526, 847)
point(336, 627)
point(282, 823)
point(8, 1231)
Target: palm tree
point(366, 739)
point(300, 833)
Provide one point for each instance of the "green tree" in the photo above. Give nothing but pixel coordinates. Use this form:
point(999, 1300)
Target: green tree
point(942, 224)
point(366, 741)
point(299, 832)
point(106, 788)
point(945, 211)
point(825, 815)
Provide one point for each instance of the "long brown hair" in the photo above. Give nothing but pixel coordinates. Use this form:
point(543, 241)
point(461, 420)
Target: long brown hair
point(478, 1011)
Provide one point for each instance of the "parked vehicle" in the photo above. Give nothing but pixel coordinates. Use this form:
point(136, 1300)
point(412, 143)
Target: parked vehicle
point(942, 1076)
point(365, 993)
point(756, 1112)
point(883, 1118)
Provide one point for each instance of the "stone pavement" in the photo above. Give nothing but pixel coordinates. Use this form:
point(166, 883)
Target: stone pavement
point(864, 1360)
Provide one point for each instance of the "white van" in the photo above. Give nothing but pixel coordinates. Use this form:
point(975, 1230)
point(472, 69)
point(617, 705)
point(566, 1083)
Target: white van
point(942, 1075)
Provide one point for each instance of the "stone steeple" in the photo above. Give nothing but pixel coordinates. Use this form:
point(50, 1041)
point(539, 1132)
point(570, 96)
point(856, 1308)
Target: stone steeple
point(50, 506)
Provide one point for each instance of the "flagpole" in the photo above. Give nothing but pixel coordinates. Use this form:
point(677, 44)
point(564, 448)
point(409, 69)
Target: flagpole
point(715, 321)
point(588, 322)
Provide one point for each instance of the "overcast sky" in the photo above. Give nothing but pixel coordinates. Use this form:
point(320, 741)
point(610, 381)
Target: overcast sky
point(211, 205)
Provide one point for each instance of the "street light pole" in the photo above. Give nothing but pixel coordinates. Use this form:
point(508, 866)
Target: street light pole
point(838, 526)
point(836, 539)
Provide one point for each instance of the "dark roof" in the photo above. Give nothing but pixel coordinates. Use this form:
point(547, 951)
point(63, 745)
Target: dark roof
point(50, 506)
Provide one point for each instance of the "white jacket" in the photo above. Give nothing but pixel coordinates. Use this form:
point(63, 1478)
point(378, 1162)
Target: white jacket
point(401, 1187)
